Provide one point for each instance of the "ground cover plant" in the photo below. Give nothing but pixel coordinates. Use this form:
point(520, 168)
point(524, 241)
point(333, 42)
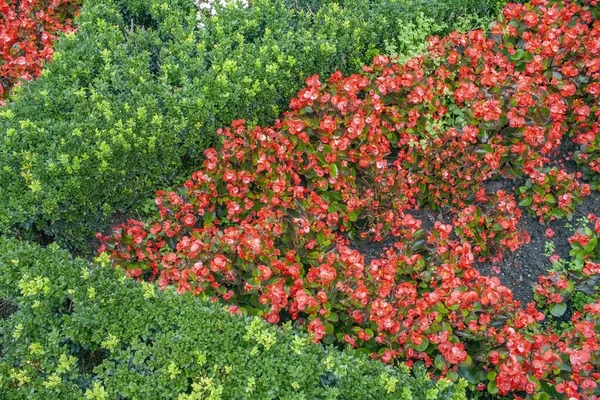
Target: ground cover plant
point(130, 102)
point(265, 225)
point(83, 332)
point(28, 30)
point(575, 277)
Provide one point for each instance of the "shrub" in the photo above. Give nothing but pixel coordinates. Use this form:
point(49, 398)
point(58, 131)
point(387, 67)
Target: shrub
point(131, 101)
point(85, 332)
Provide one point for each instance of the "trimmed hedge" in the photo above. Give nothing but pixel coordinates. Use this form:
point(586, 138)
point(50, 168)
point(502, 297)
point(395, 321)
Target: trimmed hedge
point(130, 102)
point(88, 331)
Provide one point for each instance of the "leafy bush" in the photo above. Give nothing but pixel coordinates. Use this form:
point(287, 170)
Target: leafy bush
point(85, 332)
point(263, 224)
point(131, 101)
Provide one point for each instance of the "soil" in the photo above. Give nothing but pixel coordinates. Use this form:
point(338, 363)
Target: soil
point(519, 270)
point(92, 244)
point(7, 308)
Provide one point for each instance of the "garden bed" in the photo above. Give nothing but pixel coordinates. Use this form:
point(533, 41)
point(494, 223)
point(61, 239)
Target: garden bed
point(518, 270)
point(410, 212)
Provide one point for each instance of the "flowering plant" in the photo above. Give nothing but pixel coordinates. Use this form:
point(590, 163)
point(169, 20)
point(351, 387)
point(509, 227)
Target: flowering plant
point(264, 225)
point(579, 275)
point(28, 30)
point(552, 194)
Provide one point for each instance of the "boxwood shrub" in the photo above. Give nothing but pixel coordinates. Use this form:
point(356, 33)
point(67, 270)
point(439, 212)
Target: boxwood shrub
point(130, 102)
point(85, 331)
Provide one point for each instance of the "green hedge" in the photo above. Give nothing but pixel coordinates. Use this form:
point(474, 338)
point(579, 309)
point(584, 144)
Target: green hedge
point(81, 330)
point(131, 101)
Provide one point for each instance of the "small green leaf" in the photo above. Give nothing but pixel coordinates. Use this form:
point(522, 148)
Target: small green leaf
point(539, 190)
point(329, 329)
point(423, 345)
point(526, 201)
point(558, 309)
point(329, 339)
point(333, 171)
point(492, 387)
point(353, 216)
point(484, 148)
point(542, 396)
point(517, 56)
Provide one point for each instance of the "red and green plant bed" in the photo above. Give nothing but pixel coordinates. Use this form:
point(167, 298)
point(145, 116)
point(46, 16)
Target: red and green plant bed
point(28, 29)
point(265, 224)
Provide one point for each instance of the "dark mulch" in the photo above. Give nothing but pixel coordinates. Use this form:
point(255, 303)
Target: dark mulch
point(92, 244)
point(519, 270)
point(7, 308)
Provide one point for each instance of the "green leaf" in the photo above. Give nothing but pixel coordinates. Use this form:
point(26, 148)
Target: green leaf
point(320, 157)
point(539, 190)
point(591, 245)
point(419, 244)
point(209, 218)
point(320, 237)
point(492, 387)
point(526, 201)
point(534, 380)
point(439, 362)
point(329, 339)
point(353, 216)
point(517, 56)
point(472, 374)
point(484, 148)
point(558, 309)
point(361, 351)
point(333, 171)
point(453, 376)
point(329, 329)
point(423, 345)
point(542, 396)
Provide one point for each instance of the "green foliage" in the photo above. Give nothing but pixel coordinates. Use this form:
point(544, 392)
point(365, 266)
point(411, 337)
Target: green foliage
point(131, 101)
point(84, 331)
point(575, 279)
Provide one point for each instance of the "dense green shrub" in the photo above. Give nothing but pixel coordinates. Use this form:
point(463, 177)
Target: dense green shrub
point(131, 101)
point(87, 331)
